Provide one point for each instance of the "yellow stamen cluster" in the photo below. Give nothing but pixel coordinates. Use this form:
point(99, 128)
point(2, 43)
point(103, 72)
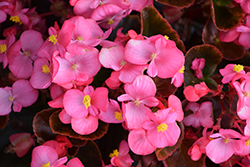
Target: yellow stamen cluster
point(74, 67)
point(86, 101)
point(111, 22)
point(247, 143)
point(137, 103)
point(11, 98)
point(165, 36)
point(162, 127)
point(123, 63)
point(3, 48)
point(46, 69)
point(118, 115)
point(46, 165)
point(27, 53)
point(80, 38)
point(238, 67)
point(153, 55)
point(53, 39)
point(226, 140)
point(182, 69)
point(246, 94)
point(114, 154)
point(16, 19)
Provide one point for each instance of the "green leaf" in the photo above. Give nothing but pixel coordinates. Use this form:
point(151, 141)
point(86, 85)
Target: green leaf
point(153, 24)
point(163, 153)
point(180, 158)
point(229, 50)
point(212, 58)
point(90, 155)
point(65, 129)
point(177, 3)
point(225, 18)
point(3, 121)
point(41, 126)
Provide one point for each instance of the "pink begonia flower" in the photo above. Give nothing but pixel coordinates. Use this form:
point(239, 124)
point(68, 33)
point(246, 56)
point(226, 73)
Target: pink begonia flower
point(74, 162)
point(245, 5)
point(245, 146)
point(223, 146)
point(159, 52)
point(59, 39)
point(21, 143)
point(175, 105)
point(178, 79)
point(113, 57)
point(22, 63)
point(113, 113)
point(84, 107)
point(61, 144)
point(135, 110)
point(201, 114)
point(199, 146)
point(22, 94)
point(46, 156)
point(75, 69)
point(108, 15)
point(137, 5)
point(41, 76)
point(193, 94)
point(18, 13)
point(6, 51)
point(243, 91)
point(138, 142)
point(244, 33)
point(197, 66)
point(121, 157)
point(230, 71)
point(162, 130)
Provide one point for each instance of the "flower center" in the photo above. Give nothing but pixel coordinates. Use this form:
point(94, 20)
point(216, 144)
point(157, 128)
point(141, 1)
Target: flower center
point(74, 67)
point(86, 101)
point(182, 69)
point(246, 94)
point(226, 140)
point(46, 165)
point(111, 22)
point(80, 38)
point(27, 53)
point(165, 36)
point(153, 55)
point(137, 103)
point(247, 143)
point(3, 48)
point(16, 19)
point(162, 127)
point(118, 115)
point(53, 39)
point(11, 98)
point(123, 63)
point(46, 69)
point(238, 68)
point(114, 154)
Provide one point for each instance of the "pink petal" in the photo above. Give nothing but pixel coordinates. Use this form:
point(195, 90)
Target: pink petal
point(85, 126)
point(175, 104)
point(99, 98)
point(113, 81)
point(65, 33)
point(152, 69)
point(73, 103)
point(130, 71)
point(5, 107)
point(75, 162)
point(190, 94)
point(64, 117)
point(139, 143)
point(3, 16)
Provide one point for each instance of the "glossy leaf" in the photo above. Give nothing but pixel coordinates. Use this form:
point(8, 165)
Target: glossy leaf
point(153, 24)
point(73, 151)
point(177, 3)
point(163, 153)
point(180, 157)
point(225, 17)
point(65, 129)
point(229, 50)
point(90, 155)
point(3, 121)
point(212, 58)
point(164, 86)
point(41, 126)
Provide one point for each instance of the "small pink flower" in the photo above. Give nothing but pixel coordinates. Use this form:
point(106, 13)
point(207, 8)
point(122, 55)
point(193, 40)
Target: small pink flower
point(197, 66)
point(243, 91)
point(201, 114)
point(121, 157)
point(230, 71)
point(46, 156)
point(223, 145)
point(193, 94)
point(175, 105)
point(135, 110)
